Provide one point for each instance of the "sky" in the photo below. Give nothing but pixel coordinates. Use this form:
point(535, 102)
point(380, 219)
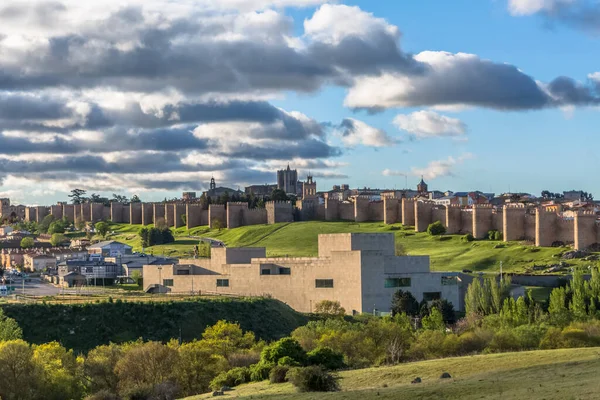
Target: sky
point(155, 97)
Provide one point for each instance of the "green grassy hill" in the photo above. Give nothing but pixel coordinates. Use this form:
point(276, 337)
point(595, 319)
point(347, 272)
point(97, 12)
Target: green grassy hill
point(551, 374)
point(84, 326)
point(447, 253)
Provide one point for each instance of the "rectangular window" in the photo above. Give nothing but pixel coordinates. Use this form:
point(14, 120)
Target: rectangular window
point(265, 272)
point(430, 296)
point(285, 271)
point(183, 272)
point(167, 282)
point(397, 282)
point(222, 282)
point(324, 283)
point(449, 280)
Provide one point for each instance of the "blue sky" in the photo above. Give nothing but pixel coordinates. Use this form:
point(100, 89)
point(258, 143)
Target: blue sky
point(155, 97)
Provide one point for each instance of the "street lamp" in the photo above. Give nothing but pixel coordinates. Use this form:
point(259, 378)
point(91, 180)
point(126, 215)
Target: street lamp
point(192, 275)
point(159, 277)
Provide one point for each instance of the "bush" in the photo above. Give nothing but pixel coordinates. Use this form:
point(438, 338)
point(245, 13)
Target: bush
point(27, 243)
point(330, 308)
point(467, 238)
point(233, 377)
point(285, 347)
point(436, 229)
point(312, 379)
point(260, 371)
point(498, 236)
point(327, 358)
point(278, 374)
point(288, 361)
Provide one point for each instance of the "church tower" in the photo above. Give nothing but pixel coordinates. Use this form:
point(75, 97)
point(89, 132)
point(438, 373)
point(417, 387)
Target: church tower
point(309, 188)
point(213, 184)
point(422, 186)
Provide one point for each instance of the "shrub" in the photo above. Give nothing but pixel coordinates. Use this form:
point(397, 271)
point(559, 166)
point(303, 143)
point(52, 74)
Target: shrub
point(278, 374)
point(233, 377)
point(288, 362)
point(326, 357)
point(436, 229)
point(473, 342)
point(312, 379)
point(497, 235)
point(285, 347)
point(27, 243)
point(330, 308)
point(260, 371)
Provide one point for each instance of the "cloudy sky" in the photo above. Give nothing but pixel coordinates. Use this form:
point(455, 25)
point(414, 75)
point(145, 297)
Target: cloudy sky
point(156, 96)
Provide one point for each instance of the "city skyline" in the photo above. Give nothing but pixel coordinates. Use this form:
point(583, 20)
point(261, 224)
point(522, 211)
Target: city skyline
point(157, 97)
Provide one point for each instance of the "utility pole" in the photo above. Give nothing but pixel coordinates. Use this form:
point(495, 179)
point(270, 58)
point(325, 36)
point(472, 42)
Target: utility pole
point(501, 276)
point(159, 278)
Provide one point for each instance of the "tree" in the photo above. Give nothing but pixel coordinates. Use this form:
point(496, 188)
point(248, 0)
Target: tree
point(286, 347)
point(404, 302)
point(434, 321)
point(27, 243)
point(198, 365)
point(79, 224)
point(95, 198)
point(9, 329)
point(135, 199)
point(446, 308)
point(216, 224)
point(99, 368)
point(225, 338)
point(45, 224)
point(118, 198)
point(330, 308)
point(78, 196)
point(436, 229)
point(60, 371)
point(161, 224)
point(102, 228)
point(19, 376)
point(57, 239)
point(278, 195)
point(144, 234)
point(56, 227)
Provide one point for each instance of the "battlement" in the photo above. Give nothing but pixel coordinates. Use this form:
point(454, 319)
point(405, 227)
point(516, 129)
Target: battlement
point(514, 206)
point(482, 206)
point(237, 203)
point(277, 203)
point(217, 206)
point(586, 214)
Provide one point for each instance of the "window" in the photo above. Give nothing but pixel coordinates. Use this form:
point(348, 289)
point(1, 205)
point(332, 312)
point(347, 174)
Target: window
point(183, 272)
point(222, 282)
point(285, 271)
point(167, 282)
point(324, 283)
point(449, 280)
point(397, 282)
point(430, 296)
point(265, 272)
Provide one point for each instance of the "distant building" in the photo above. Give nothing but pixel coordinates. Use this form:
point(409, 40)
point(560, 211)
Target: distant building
point(260, 191)
point(287, 180)
point(361, 271)
point(214, 193)
point(309, 189)
point(422, 187)
point(110, 248)
point(5, 230)
point(188, 196)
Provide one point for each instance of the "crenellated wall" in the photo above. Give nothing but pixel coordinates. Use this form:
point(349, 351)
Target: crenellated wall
point(453, 219)
point(147, 213)
point(346, 211)
point(585, 230)
point(279, 211)
point(216, 212)
point(391, 210)
point(256, 216)
point(41, 213)
point(408, 212)
point(332, 212)
point(376, 211)
point(466, 220)
point(31, 214)
point(361, 209)
point(545, 227)
point(179, 214)
point(56, 211)
point(116, 212)
point(513, 222)
point(423, 215)
point(97, 212)
point(193, 215)
point(159, 212)
point(482, 220)
point(135, 213)
point(69, 212)
point(170, 214)
point(236, 214)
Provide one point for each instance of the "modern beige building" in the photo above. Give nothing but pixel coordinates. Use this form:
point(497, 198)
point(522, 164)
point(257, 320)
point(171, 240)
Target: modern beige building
point(360, 270)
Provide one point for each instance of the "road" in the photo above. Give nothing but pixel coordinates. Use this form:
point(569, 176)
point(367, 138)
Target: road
point(211, 241)
point(36, 287)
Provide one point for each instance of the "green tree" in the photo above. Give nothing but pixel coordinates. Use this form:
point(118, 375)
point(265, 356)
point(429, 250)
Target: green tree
point(330, 308)
point(198, 365)
point(405, 302)
point(77, 196)
point(144, 234)
point(99, 368)
point(61, 371)
point(118, 198)
point(225, 338)
point(102, 228)
point(436, 229)
point(79, 224)
point(19, 375)
point(216, 224)
point(9, 329)
point(57, 239)
point(135, 199)
point(286, 347)
point(279, 195)
point(579, 295)
point(27, 242)
point(557, 307)
point(434, 321)
point(56, 227)
point(447, 310)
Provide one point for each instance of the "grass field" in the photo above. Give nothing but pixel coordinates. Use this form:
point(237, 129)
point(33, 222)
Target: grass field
point(551, 374)
point(447, 253)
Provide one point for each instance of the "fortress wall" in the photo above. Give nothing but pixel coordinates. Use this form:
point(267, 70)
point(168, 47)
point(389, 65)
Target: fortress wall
point(498, 220)
point(216, 212)
point(529, 226)
point(565, 230)
point(513, 222)
point(69, 212)
point(361, 209)
point(106, 213)
point(159, 212)
point(391, 209)
point(585, 230)
point(31, 214)
point(193, 215)
point(320, 212)
point(279, 211)
point(179, 215)
point(408, 212)
point(482, 220)
point(86, 212)
point(453, 219)
point(376, 212)
point(545, 227)
point(236, 214)
point(204, 221)
point(346, 211)
point(466, 219)
point(97, 212)
point(170, 214)
point(41, 213)
point(332, 212)
point(147, 213)
point(423, 215)
point(439, 214)
point(56, 211)
point(135, 213)
point(116, 212)
point(256, 216)
point(126, 214)
point(307, 210)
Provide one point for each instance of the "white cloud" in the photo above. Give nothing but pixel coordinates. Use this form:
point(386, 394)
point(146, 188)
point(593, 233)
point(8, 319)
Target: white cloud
point(391, 172)
point(529, 7)
point(333, 23)
point(423, 124)
point(440, 168)
point(594, 76)
point(354, 132)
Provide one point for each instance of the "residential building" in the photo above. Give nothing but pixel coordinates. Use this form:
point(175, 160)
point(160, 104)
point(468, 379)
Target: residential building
point(5, 230)
point(188, 196)
point(361, 271)
point(38, 262)
point(110, 248)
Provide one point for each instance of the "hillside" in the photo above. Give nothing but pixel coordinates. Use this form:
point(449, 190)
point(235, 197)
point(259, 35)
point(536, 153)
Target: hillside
point(82, 327)
point(549, 374)
point(447, 253)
